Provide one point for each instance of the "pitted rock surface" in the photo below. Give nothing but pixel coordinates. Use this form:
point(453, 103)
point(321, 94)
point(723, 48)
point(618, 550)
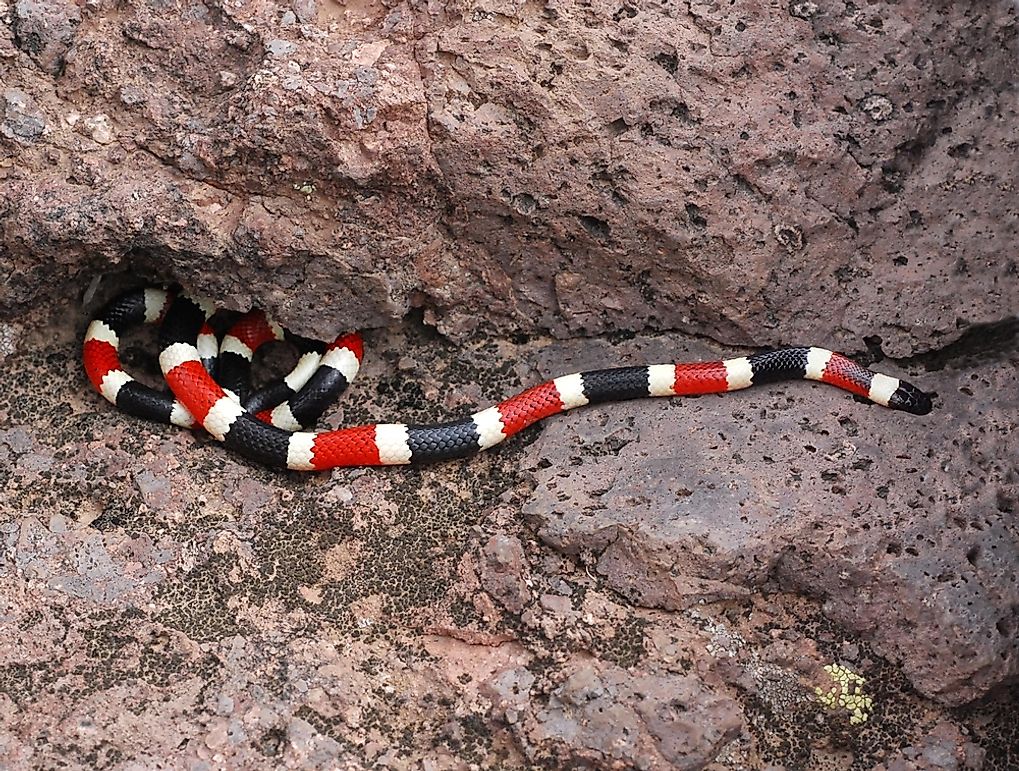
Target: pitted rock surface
point(658, 584)
point(905, 530)
point(761, 173)
point(688, 583)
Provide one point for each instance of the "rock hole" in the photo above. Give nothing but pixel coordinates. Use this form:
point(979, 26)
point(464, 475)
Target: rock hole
point(695, 217)
point(682, 111)
point(791, 237)
point(618, 126)
point(973, 555)
point(960, 150)
point(595, 227)
point(524, 203)
point(668, 62)
point(1006, 625)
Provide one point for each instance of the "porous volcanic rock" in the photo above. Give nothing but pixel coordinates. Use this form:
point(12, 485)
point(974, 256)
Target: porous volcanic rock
point(761, 173)
point(684, 579)
point(777, 578)
point(903, 527)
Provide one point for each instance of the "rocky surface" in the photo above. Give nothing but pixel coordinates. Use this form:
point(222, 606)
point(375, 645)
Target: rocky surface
point(691, 583)
point(906, 532)
point(573, 167)
point(782, 578)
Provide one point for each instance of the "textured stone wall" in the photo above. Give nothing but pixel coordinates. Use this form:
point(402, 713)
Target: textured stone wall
point(757, 172)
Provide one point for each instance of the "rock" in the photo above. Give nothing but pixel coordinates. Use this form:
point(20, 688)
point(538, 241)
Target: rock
point(695, 570)
point(45, 30)
point(23, 121)
point(575, 170)
point(306, 10)
point(903, 528)
point(99, 128)
point(945, 748)
point(608, 718)
point(504, 572)
point(157, 587)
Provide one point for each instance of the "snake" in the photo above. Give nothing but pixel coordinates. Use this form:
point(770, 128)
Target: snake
point(296, 401)
point(209, 388)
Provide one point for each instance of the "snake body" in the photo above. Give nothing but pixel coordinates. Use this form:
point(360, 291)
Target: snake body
point(292, 403)
point(267, 426)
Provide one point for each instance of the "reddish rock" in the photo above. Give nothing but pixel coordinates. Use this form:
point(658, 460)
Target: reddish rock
point(609, 718)
point(758, 174)
point(45, 31)
point(945, 748)
point(167, 603)
point(504, 573)
point(902, 527)
point(832, 173)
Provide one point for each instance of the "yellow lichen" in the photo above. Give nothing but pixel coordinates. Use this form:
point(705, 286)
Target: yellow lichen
point(846, 693)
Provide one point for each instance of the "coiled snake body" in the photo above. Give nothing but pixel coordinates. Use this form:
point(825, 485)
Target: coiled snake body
point(267, 426)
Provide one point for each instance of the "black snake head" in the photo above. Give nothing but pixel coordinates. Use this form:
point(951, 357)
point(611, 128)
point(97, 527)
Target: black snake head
point(909, 398)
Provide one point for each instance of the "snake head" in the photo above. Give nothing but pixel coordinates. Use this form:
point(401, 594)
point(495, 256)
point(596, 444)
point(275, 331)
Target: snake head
point(909, 398)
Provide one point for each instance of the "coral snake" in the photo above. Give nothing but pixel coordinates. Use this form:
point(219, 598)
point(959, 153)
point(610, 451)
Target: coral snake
point(269, 425)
